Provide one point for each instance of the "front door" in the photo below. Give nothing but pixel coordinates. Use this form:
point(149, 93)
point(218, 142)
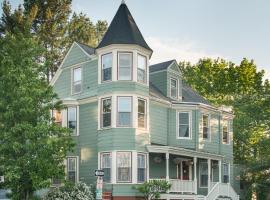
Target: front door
point(184, 171)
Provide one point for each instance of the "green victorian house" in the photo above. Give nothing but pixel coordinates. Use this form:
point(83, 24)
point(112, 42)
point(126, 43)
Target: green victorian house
point(139, 122)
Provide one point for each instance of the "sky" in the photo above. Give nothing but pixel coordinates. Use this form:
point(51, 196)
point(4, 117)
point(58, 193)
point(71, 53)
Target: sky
point(187, 30)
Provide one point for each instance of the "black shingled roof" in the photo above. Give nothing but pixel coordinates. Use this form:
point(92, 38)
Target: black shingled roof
point(123, 30)
point(88, 49)
point(160, 66)
point(190, 95)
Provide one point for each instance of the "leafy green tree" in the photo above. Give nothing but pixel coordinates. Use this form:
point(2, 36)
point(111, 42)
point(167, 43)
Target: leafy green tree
point(33, 146)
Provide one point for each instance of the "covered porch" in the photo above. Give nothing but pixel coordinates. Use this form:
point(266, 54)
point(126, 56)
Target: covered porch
point(188, 171)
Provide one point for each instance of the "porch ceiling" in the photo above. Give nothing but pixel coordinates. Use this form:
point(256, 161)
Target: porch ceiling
point(182, 151)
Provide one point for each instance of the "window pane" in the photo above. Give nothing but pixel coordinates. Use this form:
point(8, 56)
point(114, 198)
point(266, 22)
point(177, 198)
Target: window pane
point(57, 117)
point(106, 166)
point(106, 112)
point(141, 113)
point(123, 166)
point(225, 173)
point(173, 88)
point(125, 66)
point(141, 68)
point(72, 169)
point(124, 111)
point(184, 118)
point(225, 134)
point(203, 174)
point(106, 61)
point(184, 124)
point(184, 131)
point(124, 119)
point(77, 75)
point(72, 119)
point(205, 126)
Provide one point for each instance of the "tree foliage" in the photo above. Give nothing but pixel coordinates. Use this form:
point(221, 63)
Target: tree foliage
point(243, 88)
point(33, 147)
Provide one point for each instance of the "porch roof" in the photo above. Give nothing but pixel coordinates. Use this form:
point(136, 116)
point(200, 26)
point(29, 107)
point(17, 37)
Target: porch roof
point(182, 151)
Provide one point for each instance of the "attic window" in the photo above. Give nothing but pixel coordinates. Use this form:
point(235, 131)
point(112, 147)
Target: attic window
point(77, 80)
point(174, 88)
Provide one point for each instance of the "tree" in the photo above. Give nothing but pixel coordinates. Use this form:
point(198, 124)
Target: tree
point(241, 87)
point(33, 146)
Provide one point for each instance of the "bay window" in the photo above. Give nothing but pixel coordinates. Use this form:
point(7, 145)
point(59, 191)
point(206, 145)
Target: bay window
point(72, 119)
point(174, 88)
point(106, 108)
point(124, 111)
point(141, 162)
point(77, 80)
point(72, 169)
point(225, 132)
point(125, 66)
point(206, 126)
point(106, 166)
point(106, 65)
point(142, 113)
point(203, 171)
point(184, 128)
point(226, 173)
point(123, 160)
point(141, 70)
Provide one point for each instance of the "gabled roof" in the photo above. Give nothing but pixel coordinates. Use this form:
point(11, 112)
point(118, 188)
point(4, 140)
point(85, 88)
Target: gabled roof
point(123, 30)
point(86, 48)
point(160, 66)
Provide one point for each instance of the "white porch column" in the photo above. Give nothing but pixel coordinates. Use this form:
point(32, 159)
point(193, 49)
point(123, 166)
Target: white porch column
point(209, 174)
point(195, 173)
point(219, 171)
point(167, 166)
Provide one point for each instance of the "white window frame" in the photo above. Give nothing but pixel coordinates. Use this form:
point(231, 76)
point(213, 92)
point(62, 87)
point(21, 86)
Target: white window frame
point(74, 83)
point(208, 126)
point(101, 112)
point(77, 167)
point(145, 75)
point(118, 65)
point(101, 167)
point(131, 112)
point(77, 119)
point(145, 113)
point(228, 164)
point(177, 88)
point(205, 162)
point(190, 125)
point(145, 167)
point(101, 57)
point(228, 131)
point(131, 168)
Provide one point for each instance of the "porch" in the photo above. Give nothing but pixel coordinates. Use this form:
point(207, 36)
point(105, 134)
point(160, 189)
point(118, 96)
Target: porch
point(189, 172)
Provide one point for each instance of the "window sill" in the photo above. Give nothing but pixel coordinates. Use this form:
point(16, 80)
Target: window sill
point(184, 138)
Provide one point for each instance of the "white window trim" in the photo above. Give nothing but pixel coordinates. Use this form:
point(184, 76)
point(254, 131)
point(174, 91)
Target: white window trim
point(77, 167)
point(190, 125)
point(229, 171)
point(146, 166)
point(209, 127)
point(228, 131)
point(100, 161)
point(77, 119)
point(145, 113)
point(101, 113)
point(131, 113)
point(101, 69)
point(118, 64)
point(72, 79)
point(200, 186)
point(146, 69)
point(177, 88)
point(131, 166)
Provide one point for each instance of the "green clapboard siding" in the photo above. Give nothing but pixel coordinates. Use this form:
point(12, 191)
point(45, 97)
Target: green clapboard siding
point(158, 123)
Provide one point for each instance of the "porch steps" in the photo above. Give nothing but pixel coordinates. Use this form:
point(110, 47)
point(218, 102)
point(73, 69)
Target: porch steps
point(107, 196)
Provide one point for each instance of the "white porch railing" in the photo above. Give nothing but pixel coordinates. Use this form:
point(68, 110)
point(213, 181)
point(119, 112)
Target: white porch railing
point(222, 189)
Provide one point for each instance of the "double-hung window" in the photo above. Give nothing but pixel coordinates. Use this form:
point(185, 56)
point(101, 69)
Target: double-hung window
point(124, 118)
point(225, 132)
point(124, 169)
point(106, 64)
point(57, 115)
point(226, 173)
point(141, 73)
point(106, 166)
point(142, 118)
point(203, 170)
point(174, 88)
point(206, 126)
point(184, 125)
point(72, 169)
point(106, 109)
point(141, 161)
point(125, 66)
point(77, 80)
point(72, 119)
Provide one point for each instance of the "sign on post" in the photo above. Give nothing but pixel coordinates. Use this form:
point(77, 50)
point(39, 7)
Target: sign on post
point(2, 179)
point(99, 173)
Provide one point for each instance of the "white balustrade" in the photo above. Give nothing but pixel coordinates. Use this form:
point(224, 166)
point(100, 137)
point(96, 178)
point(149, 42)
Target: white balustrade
point(222, 189)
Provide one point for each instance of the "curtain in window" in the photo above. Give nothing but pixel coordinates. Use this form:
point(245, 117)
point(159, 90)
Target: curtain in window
point(123, 166)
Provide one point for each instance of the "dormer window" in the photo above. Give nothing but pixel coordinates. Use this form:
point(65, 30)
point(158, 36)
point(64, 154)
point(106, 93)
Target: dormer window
point(174, 88)
point(125, 66)
point(106, 63)
point(142, 66)
point(77, 80)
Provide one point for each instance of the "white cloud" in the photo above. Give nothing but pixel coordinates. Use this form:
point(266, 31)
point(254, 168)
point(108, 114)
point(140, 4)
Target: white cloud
point(173, 48)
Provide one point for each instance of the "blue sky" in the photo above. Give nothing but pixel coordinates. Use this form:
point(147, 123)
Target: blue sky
point(192, 29)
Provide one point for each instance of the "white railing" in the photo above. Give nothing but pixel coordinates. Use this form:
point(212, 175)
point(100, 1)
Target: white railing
point(187, 186)
point(222, 189)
